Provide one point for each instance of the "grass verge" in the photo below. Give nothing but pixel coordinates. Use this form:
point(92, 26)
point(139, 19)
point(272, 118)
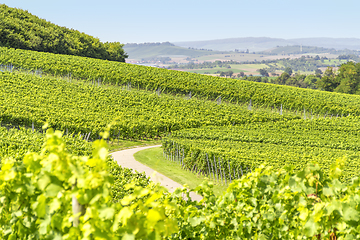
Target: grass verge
point(118, 145)
point(154, 159)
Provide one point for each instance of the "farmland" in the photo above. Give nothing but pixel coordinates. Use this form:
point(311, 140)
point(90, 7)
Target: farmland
point(302, 64)
point(224, 139)
point(288, 157)
point(170, 56)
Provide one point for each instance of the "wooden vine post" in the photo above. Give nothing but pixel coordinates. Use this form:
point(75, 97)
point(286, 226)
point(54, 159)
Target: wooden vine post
point(77, 209)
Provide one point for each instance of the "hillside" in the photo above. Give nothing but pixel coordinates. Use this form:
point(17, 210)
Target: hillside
point(16, 142)
point(296, 143)
point(21, 29)
point(153, 51)
point(268, 150)
point(257, 44)
point(287, 159)
point(297, 49)
point(252, 44)
point(78, 107)
point(177, 82)
point(82, 103)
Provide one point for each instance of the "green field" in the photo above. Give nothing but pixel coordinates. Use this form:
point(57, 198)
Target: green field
point(240, 57)
point(253, 67)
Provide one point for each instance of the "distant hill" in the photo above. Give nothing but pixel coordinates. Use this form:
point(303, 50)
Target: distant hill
point(21, 29)
point(337, 43)
point(299, 49)
point(157, 50)
point(256, 44)
point(230, 44)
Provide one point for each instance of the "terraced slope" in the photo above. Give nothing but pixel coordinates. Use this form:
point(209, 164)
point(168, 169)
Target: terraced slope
point(240, 148)
point(148, 78)
point(82, 108)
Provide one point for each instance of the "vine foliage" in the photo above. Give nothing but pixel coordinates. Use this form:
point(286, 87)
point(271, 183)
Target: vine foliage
point(37, 198)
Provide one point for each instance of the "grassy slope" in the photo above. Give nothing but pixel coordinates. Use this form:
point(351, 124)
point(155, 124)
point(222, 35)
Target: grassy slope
point(154, 159)
point(117, 145)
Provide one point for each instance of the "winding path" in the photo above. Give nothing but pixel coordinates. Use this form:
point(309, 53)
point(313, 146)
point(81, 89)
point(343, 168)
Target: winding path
point(125, 158)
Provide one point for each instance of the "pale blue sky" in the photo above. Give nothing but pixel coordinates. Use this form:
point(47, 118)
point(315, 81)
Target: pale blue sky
point(159, 21)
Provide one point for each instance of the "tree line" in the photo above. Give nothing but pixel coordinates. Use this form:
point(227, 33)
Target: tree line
point(304, 64)
point(20, 29)
point(344, 80)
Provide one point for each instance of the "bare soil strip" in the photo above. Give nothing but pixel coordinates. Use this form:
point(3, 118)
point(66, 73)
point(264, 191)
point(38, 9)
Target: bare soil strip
point(125, 158)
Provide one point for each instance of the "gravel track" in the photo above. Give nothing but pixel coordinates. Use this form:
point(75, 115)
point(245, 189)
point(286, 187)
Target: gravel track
point(125, 158)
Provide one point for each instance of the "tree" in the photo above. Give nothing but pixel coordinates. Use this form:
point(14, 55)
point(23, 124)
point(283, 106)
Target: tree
point(349, 78)
point(228, 73)
point(288, 70)
point(242, 74)
point(311, 81)
point(329, 72)
point(282, 79)
point(318, 72)
point(264, 80)
point(328, 82)
point(115, 51)
point(263, 72)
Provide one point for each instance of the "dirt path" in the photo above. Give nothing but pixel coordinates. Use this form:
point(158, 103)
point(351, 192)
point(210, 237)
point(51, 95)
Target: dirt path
point(125, 158)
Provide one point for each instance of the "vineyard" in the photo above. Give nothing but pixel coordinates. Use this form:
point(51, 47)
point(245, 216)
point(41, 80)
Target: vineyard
point(288, 157)
point(16, 143)
point(267, 203)
point(87, 109)
point(225, 153)
point(177, 82)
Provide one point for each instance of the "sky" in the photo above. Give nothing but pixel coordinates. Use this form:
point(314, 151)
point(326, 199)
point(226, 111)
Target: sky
point(139, 21)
